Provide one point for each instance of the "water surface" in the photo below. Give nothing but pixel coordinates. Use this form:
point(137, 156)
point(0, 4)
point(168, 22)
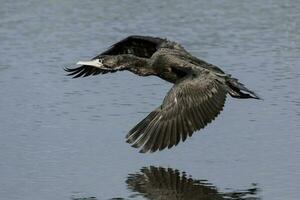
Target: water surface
point(62, 138)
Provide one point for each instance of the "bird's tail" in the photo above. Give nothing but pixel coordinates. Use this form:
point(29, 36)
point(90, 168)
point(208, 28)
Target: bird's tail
point(238, 90)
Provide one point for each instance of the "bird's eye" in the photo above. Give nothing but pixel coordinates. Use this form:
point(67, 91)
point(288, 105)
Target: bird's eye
point(99, 60)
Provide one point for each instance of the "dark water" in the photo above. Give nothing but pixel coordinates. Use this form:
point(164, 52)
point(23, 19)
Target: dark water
point(64, 139)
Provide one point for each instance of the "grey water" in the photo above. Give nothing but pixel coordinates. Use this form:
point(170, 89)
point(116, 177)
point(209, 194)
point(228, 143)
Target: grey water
point(63, 138)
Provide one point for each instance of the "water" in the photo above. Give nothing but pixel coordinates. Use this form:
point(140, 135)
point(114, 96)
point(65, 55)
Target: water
point(62, 138)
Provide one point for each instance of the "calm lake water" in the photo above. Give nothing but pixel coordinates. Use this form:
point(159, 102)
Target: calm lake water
point(63, 138)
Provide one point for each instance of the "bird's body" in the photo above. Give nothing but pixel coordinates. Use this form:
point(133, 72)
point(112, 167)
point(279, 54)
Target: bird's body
point(197, 97)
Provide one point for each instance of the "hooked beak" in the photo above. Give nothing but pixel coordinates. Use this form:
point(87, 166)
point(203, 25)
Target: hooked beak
point(93, 63)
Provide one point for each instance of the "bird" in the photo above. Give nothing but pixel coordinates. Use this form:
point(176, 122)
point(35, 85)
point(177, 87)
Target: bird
point(166, 183)
point(196, 98)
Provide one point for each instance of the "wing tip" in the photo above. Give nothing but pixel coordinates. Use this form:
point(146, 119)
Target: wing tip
point(256, 96)
point(84, 71)
point(72, 71)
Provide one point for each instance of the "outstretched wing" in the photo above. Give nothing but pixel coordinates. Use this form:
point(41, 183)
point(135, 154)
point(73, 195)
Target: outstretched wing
point(86, 70)
point(168, 184)
point(140, 46)
point(190, 105)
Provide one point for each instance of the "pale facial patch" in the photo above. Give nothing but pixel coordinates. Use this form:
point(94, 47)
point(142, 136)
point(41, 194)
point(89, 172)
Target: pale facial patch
point(94, 63)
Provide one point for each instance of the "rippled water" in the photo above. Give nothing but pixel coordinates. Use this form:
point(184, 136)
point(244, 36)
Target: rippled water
point(62, 138)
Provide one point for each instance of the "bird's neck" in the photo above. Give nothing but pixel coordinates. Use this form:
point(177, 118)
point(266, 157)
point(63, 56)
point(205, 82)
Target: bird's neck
point(138, 65)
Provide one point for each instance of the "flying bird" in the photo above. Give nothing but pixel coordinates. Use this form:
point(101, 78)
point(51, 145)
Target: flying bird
point(196, 98)
point(167, 183)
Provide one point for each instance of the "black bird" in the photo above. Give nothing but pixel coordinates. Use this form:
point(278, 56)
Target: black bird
point(196, 98)
point(158, 183)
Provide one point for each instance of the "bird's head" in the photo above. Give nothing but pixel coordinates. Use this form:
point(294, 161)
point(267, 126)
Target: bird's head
point(94, 63)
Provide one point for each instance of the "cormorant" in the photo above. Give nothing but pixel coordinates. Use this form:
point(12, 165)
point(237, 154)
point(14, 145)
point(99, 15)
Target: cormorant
point(196, 98)
point(167, 183)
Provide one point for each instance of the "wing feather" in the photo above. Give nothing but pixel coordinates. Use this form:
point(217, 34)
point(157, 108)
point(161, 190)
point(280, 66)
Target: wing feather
point(140, 46)
point(190, 105)
point(170, 184)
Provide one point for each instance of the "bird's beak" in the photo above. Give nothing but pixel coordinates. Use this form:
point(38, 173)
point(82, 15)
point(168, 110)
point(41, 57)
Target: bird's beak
point(93, 63)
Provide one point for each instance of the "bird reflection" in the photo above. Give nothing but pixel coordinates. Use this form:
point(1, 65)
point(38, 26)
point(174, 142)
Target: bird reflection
point(158, 183)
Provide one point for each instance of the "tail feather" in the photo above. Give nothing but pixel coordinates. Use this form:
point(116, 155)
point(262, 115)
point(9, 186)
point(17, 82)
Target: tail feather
point(238, 90)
